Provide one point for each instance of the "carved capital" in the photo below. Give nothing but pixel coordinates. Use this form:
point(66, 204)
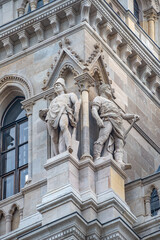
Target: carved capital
point(54, 21)
point(45, 2)
point(125, 52)
point(28, 108)
point(8, 217)
point(136, 61)
point(84, 82)
point(146, 72)
point(97, 20)
point(85, 9)
point(71, 16)
point(23, 37)
point(39, 29)
point(8, 45)
point(116, 41)
point(150, 14)
point(106, 30)
point(21, 11)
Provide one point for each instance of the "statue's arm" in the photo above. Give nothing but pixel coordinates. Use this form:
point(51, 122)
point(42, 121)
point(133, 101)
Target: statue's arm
point(127, 116)
point(76, 105)
point(95, 114)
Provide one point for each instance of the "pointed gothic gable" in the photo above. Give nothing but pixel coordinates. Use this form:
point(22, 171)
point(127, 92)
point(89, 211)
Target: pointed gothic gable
point(66, 66)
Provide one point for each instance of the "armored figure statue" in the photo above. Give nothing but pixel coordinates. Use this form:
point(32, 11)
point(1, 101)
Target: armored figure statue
point(109, 118)
point(61, 118)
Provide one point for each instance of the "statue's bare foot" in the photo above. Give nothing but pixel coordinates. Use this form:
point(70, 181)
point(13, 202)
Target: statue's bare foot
point(70, 150)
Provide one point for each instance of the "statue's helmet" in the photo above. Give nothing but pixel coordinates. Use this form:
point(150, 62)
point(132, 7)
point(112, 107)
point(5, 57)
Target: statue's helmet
point(61, 81)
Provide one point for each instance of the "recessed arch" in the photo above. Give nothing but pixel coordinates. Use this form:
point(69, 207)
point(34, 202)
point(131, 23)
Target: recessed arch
point(12, 86)
point(16, 81)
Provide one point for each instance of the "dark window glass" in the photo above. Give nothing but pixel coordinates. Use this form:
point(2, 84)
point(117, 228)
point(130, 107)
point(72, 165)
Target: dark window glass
point(14, 113)
point(8, 186)
point(29, 8)
point(23, 155)
point(136, 10)
point(23, 173)
point(39, 3)
point(154, 202)
point(8, 161)
point(8, 138)
point(14, 151)
point(23, 132)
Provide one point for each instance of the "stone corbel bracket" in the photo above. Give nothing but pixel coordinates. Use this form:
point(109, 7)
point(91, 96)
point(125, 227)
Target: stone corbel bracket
point(39, 30)
point(54, 21)
point(71, 16)
point(116, 40)
point(8, 45)
point(24, 39)
point(106, 30)
point(126, 51)
point(97, 20)
point(136, 61)
point(146, 73)
point(85, 10)
point(155, 85)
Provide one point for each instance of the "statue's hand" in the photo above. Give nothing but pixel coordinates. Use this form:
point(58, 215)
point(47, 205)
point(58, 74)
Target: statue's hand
point(136, 118)
point(100, 123)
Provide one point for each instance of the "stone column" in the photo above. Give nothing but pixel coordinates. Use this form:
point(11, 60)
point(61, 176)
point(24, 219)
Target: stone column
point(33, 5)
point(21, 214)
point(148, 205)
point(84, 82)
point(29, 109)
point(8, 223)
point(20, 11)
point(151, 16)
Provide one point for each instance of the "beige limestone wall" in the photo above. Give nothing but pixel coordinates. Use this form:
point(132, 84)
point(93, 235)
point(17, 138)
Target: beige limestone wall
point(143, 157)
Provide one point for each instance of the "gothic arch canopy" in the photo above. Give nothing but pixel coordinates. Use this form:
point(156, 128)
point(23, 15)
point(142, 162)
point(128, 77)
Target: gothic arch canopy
point(18, 82)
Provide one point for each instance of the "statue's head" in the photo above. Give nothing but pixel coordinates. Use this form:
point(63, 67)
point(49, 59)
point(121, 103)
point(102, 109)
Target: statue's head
point(105, 89)
point(59, 85)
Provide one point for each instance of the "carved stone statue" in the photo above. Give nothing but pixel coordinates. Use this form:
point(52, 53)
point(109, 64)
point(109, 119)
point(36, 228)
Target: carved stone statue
point(109, 118)
point(61, 118)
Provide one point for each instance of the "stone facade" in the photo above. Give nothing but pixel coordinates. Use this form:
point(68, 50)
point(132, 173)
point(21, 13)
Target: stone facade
point(87, 43)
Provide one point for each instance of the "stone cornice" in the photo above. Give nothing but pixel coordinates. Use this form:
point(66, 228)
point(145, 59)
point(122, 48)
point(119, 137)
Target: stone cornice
point(34, 17)
point(143, 181)
point(129, 36)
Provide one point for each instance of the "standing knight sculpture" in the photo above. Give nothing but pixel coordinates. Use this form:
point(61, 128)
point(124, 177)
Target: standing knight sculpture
point(109, 118)
point(61, 118)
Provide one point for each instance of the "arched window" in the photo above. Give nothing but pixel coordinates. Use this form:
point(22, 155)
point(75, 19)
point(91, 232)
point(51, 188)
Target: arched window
point(154, 202)
point(136, 10)
point(14, 149)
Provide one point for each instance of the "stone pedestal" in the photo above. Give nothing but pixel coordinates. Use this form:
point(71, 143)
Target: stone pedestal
point(62, 196)
point(109, 176)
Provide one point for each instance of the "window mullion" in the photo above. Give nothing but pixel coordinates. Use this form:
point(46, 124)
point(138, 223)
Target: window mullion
point(17, 159)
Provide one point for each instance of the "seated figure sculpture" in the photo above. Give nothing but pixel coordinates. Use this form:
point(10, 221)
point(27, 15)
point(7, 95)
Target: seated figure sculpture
point(109, 119)
point(61, 118)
